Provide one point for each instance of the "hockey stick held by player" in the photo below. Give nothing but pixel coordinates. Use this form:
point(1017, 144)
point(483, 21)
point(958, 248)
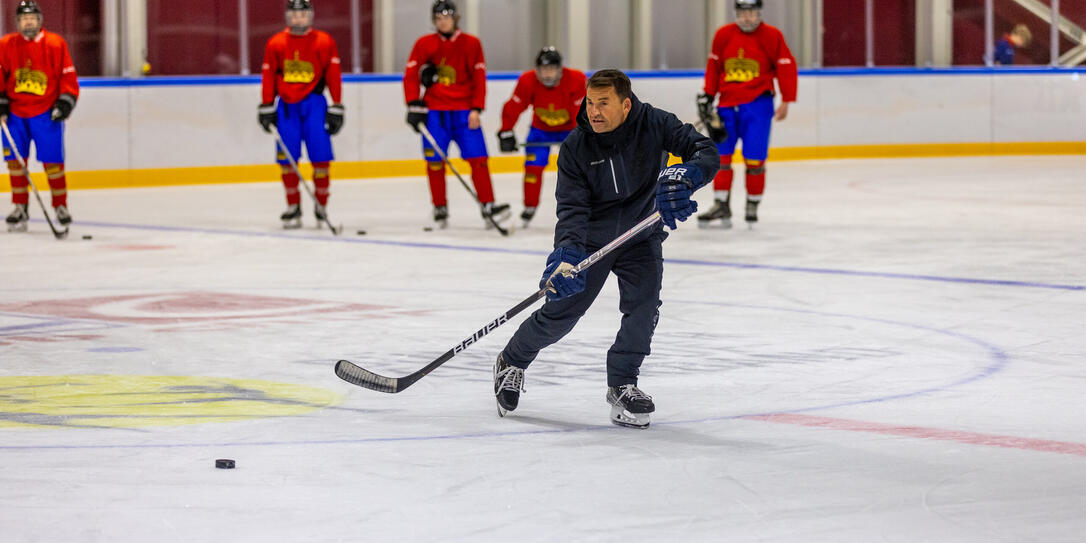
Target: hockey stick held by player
point(444, 84)
point(603, 182)
point(300, 62)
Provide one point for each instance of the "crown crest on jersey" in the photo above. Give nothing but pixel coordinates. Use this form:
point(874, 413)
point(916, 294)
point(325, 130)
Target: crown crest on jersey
point(297, 70)
point(31, 81)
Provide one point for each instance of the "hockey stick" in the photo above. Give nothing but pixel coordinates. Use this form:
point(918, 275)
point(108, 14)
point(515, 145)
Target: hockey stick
point(302, 181)
point(430, 138)
point(352, 373)
point(59, 234)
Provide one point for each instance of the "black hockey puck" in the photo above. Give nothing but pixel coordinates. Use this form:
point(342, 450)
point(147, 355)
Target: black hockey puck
point(427, 228)
point(88, 236)
point(361, 232)
point(224, 463)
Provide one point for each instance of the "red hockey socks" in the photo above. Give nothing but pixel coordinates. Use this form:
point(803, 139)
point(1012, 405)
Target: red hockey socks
point(58, 183)
point(480, 177)
point(19, 183)
point(290, 183)
point(533, 185)
point(321, 182)
point(722, 183)
point(755, 179)
point(435, 171)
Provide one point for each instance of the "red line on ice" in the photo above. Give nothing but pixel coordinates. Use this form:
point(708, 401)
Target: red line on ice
point(971, 438)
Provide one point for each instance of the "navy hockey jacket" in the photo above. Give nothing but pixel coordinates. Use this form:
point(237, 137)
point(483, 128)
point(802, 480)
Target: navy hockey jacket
point(607, 182)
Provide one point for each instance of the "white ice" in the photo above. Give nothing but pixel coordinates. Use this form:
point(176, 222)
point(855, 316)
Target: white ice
point(895, 353)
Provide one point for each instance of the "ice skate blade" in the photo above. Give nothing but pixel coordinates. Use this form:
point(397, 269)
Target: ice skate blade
point(723, 224)
point(18, 227)
point(501, 410)
point(621, 417)
point(292, 225)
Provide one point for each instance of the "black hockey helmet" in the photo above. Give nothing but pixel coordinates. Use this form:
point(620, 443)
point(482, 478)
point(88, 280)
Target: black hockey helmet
point(548, 56)
point(748, 4)
point(444, 7)
point(27, 7)
point(299, 5)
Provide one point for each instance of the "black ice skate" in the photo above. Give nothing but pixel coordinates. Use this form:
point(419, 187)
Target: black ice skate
point(721, 211)
point(292, 217)
point(18, 218)
point(752, 212)
point(320, 214)
point(629, 406)
point(63, 216)
point(508, 384)
point(498, 212)
point(526, 216)
point(441, 216)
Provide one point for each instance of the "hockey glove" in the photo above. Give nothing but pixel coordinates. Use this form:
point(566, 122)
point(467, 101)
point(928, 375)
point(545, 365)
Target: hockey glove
point(5, 105)
point(416, 114)
point(558, 277)
point(267, 117)
point(708, 116)
point(428, 75)
point(673, 191)
point(507, 141)
point(62, 108)
point(333, 119)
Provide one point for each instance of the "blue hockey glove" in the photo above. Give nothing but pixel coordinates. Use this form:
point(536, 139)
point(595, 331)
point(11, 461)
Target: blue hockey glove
point(676, 184)
point(558, 277)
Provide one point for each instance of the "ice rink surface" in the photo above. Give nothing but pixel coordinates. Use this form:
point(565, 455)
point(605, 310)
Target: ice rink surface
point(895, 353)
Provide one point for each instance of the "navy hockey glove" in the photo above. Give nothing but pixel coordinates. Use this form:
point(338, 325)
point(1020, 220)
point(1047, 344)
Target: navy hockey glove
point(333, 119)
point(416, 113)
point(558, 277)
point(507, 141)
point(708, 116)
point(676, 184)
point(62, 108)
point(428, 75)
point(5, 105)
point(267, 117)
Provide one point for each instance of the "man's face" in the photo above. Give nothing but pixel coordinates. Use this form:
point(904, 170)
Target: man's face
point(29, 24)
point(299, 20)
point(444, 23)
point(606, 111)
point(549, 75)
point(748, 19)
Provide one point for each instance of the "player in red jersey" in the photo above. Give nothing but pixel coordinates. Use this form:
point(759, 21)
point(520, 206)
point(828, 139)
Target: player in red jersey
point(299, 63)
point(555, 94)
point(40, 90)
point(450, 64)
point(745, 58)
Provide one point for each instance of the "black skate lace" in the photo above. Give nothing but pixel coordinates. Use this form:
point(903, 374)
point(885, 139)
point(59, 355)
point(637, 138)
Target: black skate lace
point(512, 379)
point(632, 393)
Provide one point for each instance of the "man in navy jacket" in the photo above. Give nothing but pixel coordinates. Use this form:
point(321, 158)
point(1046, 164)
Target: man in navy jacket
point(609, 179)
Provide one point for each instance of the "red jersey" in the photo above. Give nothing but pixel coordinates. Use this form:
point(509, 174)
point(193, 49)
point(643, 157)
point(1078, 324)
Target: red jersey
point(555, 108)
point(36, 72)
point(461, 72)
point(296, 66)
point(742, 66)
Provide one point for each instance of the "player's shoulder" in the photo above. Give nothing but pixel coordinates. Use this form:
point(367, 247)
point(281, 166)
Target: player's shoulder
point(574, 74)
point(528, 77)
point(770, 31)
point(7, 38)
point(278, 39)
point(323, 36)
point(52, 39)
point(467, 38)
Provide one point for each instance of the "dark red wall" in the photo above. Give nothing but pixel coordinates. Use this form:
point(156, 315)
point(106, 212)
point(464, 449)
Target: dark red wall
point(844, 43)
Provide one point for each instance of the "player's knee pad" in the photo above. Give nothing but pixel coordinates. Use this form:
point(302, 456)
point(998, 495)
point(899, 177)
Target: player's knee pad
point(755, 167)
point(54, 170)
point(15, 168)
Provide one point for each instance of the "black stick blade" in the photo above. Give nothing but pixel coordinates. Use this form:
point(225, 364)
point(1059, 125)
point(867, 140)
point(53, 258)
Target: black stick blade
point(355, 375)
